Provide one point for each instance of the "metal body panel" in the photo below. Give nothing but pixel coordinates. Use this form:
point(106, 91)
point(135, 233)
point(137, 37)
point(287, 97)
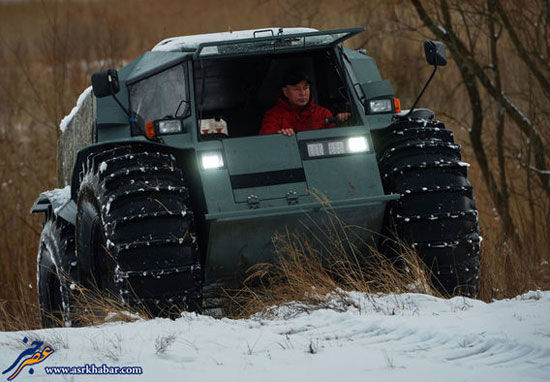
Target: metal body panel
point(217, 190)
point(241, 241)
point(153, 62)
point(338, 178)
point(364, 67)
point(378, 121)
point(113, 133)
point(376, 89)
point(278, 191)
point(344, 177)
point(261, 153)
point(311, 203)
point(362, 71)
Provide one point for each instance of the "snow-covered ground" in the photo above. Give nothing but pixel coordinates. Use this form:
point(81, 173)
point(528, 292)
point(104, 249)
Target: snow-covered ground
point(409, 337)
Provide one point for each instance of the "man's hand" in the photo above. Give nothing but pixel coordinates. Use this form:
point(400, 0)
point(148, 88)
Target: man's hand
point(287, 132)
point(343, 116)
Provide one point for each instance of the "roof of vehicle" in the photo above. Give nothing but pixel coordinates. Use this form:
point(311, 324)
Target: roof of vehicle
point(173, 50)
point(191, 43)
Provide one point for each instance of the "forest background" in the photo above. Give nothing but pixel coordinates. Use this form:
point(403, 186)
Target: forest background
point(494, 94)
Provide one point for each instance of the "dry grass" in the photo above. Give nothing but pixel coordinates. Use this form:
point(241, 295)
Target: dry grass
point(507, 270)
point(93, 307)
point(20, 312)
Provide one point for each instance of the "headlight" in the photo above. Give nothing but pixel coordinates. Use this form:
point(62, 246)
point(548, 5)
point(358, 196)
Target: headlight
point(357, 145)
point(211, 160)
point(334, 147)
point(163, 127)
point(380, 106)
point(315, 149)
point(169, 126)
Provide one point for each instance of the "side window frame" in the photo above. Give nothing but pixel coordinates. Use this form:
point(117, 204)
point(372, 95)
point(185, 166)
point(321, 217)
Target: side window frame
point(187, 90)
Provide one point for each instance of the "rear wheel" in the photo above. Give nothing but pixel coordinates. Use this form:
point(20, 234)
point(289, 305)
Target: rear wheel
point(56, 272)
point(436, 214)
point(135, 231)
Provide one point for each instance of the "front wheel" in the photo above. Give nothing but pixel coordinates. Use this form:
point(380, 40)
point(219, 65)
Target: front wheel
point(135, 231)
point(436, 214)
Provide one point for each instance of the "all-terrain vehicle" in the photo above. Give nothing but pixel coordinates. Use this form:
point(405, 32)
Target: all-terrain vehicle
point(166, 188)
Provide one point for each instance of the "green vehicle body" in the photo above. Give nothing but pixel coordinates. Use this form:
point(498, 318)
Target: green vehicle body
point(240, 206)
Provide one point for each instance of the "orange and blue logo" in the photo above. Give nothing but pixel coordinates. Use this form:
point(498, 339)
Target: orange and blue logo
point(36, 353)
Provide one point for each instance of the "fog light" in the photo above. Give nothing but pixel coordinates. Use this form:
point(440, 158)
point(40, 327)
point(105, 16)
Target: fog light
point(170, 126)
point(380, 105)
point(212, 160)
point(357, 144)
point(315, 149)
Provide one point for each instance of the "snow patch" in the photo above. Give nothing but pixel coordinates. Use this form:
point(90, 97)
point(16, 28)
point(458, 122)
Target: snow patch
point(59, 197)
point(531, 295)
point(68, 118)
point(102, 167)
point(356, 335)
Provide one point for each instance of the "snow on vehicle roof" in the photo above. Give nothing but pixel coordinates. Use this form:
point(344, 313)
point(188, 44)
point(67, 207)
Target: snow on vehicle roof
point(192, 42)
point(65, 122)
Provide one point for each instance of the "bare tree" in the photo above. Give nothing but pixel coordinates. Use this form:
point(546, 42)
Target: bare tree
point(468, 28)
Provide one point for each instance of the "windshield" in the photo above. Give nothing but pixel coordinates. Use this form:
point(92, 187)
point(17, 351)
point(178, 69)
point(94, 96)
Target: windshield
point(234, 94)
point(161, 95)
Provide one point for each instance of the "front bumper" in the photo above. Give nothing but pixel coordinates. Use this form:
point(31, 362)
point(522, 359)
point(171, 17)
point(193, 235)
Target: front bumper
point(240, 239)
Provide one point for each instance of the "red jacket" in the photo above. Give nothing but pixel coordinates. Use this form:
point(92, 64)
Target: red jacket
point(286, 116)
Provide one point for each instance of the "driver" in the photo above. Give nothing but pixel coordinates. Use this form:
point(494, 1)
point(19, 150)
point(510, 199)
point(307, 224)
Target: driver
point(295, 110)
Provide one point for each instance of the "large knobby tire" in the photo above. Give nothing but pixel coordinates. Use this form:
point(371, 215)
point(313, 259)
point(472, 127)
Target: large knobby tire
point(56, 270)
point(135, 232)
point(436, 214)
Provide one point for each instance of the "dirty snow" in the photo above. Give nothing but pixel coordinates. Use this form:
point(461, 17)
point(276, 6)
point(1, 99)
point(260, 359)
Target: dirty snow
point(68, 118)
point(410, 337)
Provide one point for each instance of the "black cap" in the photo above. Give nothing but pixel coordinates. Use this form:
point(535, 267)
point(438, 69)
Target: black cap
point(295, 76)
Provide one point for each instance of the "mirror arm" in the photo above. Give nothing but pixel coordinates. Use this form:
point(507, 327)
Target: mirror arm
point(121, 106)
point(422, 92)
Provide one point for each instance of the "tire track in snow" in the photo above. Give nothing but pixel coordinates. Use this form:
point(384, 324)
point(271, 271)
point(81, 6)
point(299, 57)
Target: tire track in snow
point(445, 339)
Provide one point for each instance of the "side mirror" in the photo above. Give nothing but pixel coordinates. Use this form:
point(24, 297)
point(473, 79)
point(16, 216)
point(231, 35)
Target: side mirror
point(105, 83)
point(183, 110)
point(435, 53)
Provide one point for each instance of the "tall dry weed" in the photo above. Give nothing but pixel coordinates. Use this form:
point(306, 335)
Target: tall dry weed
point(19, 311)
point(508, 270)
point(92, 307)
